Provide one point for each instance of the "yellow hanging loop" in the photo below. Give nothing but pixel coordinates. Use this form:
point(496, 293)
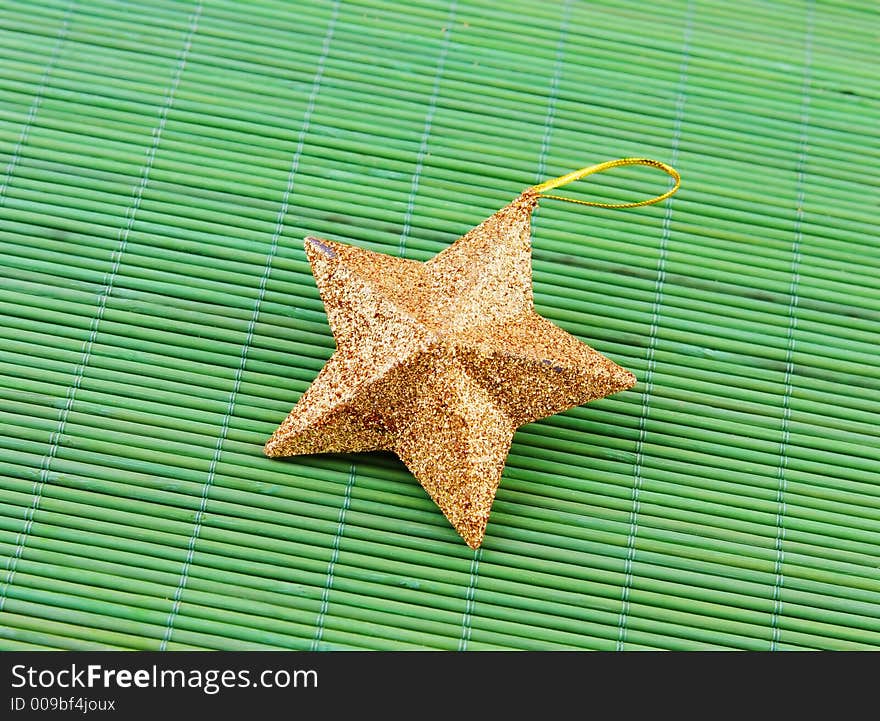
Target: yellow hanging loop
point(584, 172)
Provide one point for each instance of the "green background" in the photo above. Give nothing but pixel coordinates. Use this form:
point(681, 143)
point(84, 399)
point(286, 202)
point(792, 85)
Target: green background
point(159, 165)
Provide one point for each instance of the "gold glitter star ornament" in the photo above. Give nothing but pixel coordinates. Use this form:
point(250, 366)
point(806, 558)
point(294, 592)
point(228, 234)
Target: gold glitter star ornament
point(442, 361)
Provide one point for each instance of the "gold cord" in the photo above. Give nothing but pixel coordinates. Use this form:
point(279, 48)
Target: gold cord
point(584, 172)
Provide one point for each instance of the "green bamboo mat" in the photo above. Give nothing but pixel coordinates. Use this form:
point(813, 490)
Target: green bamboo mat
point(160, 163)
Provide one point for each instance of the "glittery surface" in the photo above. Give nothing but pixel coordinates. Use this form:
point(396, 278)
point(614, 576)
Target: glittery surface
point(440, 362)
